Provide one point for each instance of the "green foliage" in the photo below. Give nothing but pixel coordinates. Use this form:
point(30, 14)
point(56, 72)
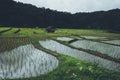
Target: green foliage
point(41, 34)
point(1, 32)
point(26, 15)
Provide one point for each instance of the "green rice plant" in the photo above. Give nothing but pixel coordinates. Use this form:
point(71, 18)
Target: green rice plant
point(9, 33)
point(59, 33)
point(3, 31)
point(9, 43)
point(17, 31)
point(3, 28)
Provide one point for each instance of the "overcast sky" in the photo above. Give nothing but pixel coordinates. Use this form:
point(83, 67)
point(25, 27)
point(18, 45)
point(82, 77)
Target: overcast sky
point(74, 6)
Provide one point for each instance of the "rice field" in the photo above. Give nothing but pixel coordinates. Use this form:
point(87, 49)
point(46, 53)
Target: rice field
point(116, 42)
point(94, 37)
point(62, 49)
point(64, 38)
point(3, 31)
point(19, 59)
point(33, 54)
point(110, 50)
point(9, 43)
point(25, 61)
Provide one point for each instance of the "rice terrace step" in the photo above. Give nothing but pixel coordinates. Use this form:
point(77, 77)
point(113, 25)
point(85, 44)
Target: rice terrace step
point(26, 61)
point(107, 49)
point(32, 54)
point(23, 60)
point(62, 49)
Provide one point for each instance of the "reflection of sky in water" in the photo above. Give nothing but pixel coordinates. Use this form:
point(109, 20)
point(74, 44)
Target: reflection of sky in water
point(113, 42)
point(64, 38)
point(26, 61)
point(113, 51)
point(62, 49)
point(93, 37)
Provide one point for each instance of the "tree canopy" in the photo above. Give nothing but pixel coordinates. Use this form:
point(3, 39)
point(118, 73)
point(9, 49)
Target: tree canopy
point(17, 14)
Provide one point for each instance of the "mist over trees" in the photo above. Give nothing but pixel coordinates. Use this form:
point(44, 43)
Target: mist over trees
point(16, 14)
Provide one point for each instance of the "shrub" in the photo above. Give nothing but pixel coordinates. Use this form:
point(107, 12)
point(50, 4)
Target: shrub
point(50, 29)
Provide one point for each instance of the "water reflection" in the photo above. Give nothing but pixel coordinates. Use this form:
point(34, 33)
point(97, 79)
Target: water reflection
point(113, 51)
point(94, 37)
point(62, 49)
point(26, 61)
point(113, 42)
point(64, 38)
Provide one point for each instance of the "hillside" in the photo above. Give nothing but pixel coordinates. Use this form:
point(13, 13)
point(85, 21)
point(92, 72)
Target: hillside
point(16, 14)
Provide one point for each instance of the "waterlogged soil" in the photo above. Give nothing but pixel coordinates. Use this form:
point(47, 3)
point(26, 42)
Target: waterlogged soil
point(116, 42)
point(62, 49)
point(26, 61)
point(110, 50)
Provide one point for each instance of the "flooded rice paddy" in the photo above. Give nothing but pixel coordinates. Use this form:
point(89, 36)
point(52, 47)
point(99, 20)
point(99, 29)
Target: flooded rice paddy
point(64, 38)
point(117, 42)
point(20, 59)
point(110, 50)
point(25, 61)
point(62, 49)
point(94, 37)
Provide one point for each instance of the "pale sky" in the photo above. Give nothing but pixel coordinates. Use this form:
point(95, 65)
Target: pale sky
point(74, 6)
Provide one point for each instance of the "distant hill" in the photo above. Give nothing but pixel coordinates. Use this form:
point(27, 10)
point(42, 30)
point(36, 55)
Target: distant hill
point(16, 14)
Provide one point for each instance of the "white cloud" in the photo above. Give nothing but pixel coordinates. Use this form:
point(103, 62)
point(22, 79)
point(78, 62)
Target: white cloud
point(75, 5)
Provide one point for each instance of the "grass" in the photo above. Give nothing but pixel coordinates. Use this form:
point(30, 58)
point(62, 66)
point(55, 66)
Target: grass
point(40, 32)
point(69, 68)
point(3, 28)
point(84, 32)
point(3, 31)
point(9, 33)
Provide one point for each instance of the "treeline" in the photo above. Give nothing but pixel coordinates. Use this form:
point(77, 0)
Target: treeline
point(16, 14)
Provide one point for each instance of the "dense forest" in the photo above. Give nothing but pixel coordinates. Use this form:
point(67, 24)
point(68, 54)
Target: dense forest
point(17, 14)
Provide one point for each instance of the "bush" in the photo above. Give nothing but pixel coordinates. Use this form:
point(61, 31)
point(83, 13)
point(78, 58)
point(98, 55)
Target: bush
point(50, 29)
